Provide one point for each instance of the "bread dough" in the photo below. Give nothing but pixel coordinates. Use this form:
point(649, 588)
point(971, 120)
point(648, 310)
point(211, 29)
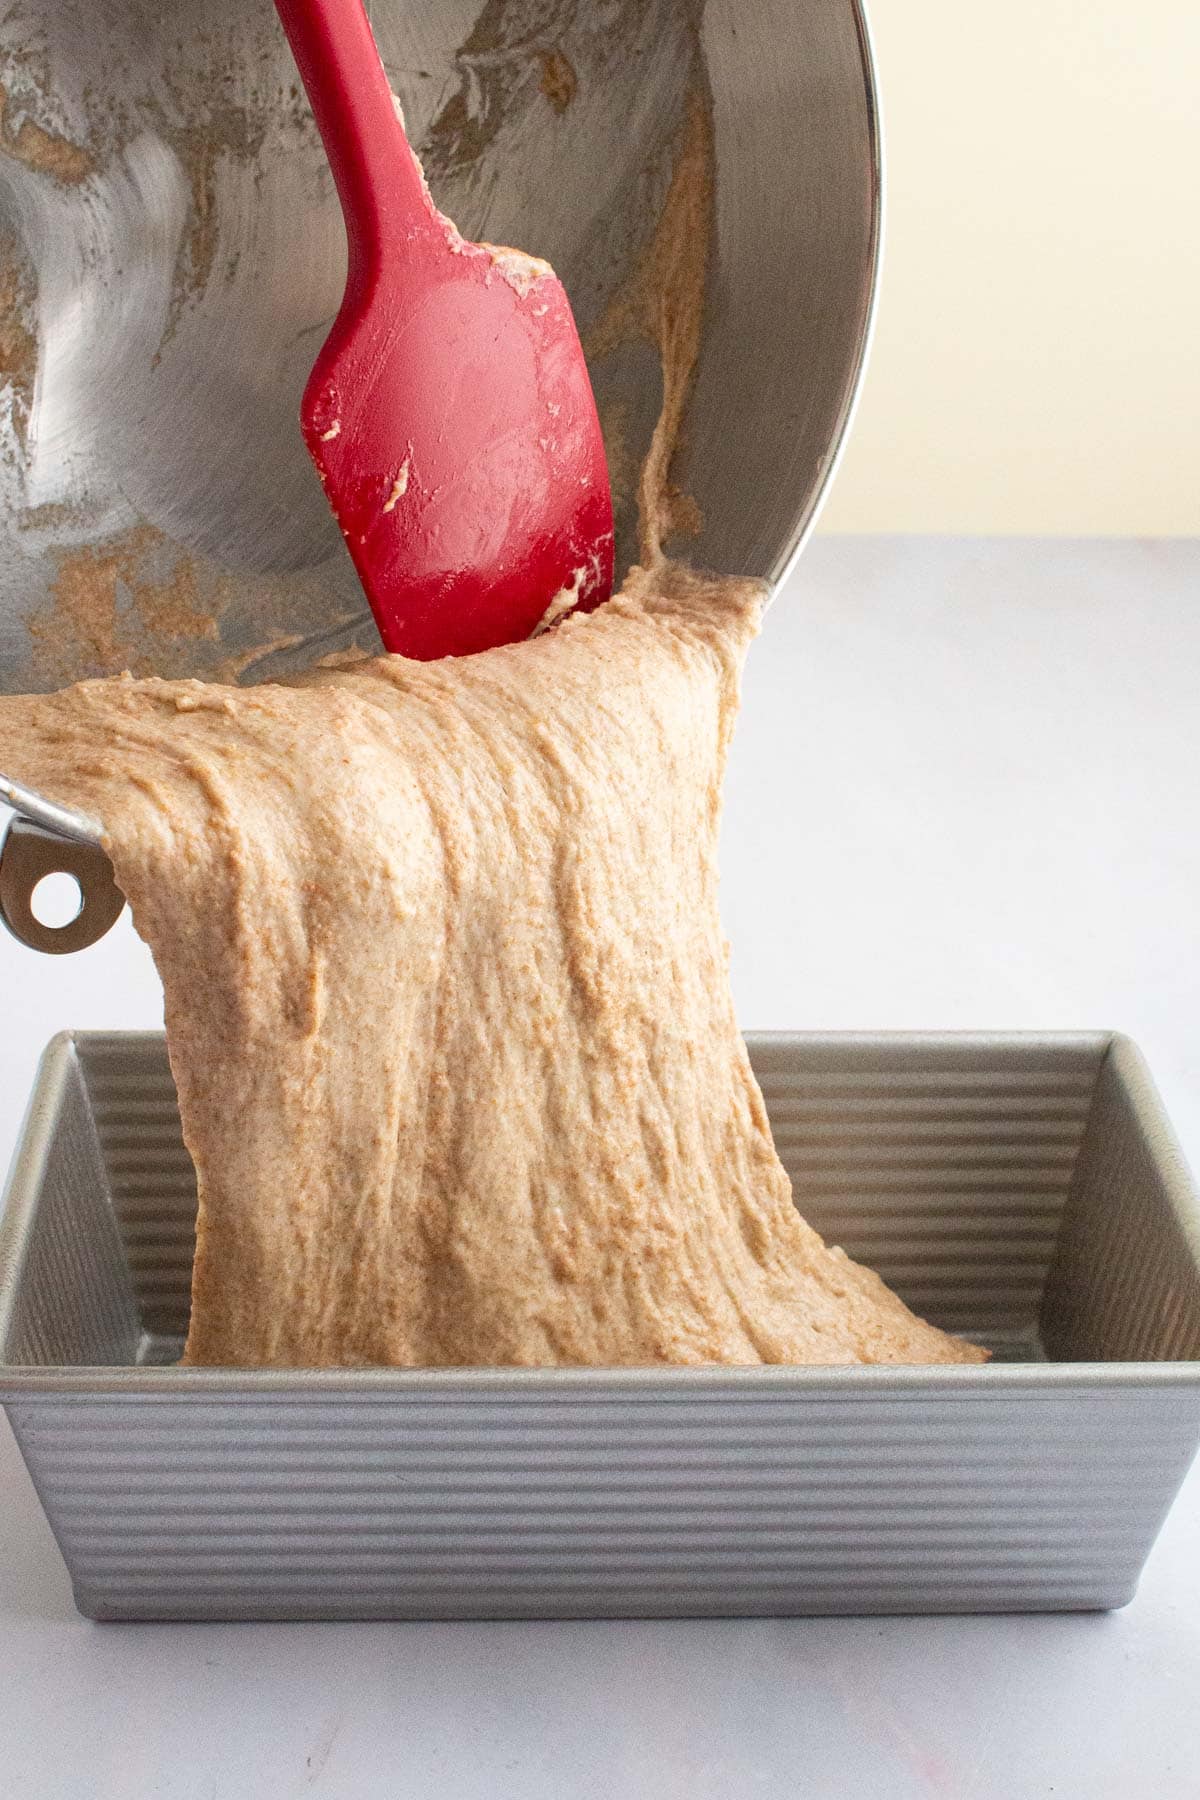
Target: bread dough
point(448, 1007)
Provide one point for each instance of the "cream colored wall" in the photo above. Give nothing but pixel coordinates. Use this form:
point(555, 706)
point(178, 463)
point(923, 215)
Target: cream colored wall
point(1037, 355)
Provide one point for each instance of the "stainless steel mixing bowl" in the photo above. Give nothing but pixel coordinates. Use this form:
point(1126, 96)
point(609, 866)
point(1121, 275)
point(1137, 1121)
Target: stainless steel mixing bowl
point(171, 253)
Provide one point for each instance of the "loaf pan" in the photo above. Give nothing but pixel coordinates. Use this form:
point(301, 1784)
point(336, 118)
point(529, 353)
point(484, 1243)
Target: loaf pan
point(1022, 1189)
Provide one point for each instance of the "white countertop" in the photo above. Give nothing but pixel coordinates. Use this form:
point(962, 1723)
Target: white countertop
point(966, 793)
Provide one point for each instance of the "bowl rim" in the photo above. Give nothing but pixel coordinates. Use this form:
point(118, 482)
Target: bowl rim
point(789, 556)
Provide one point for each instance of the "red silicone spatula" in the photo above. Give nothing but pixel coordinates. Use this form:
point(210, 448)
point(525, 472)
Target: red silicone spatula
point(449, 413)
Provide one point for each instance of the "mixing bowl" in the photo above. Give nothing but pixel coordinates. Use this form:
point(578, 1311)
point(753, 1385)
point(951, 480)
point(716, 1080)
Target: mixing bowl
point(172, 252)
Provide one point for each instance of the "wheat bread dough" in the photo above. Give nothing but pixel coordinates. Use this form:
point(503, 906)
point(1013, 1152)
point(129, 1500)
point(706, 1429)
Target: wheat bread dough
point(447, 1002)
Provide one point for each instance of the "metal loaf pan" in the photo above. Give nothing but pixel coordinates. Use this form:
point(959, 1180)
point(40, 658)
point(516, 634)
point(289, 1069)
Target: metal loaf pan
point(1024, 1189)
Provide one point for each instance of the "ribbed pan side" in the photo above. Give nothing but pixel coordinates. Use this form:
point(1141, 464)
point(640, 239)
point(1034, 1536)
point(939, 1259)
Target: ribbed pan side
point(943, 1163)
point(1125, 1282)
point(193, 1494)
point(151, 1179)
point(654, 1498)
point(65, 1294)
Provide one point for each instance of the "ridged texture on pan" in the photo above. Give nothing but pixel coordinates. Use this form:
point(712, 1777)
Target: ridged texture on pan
point(944, 1171)
point(945, 1174)
point(1125, 1282)
point(667, 1493)
point(65, 1295)
point(150, 1174)
point(191, 1494)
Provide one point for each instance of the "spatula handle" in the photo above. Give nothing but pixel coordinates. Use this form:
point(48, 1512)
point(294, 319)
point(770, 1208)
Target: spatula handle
point(378, 179)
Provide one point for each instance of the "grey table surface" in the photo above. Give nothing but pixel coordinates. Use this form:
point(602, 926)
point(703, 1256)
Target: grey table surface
point(965, 793)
